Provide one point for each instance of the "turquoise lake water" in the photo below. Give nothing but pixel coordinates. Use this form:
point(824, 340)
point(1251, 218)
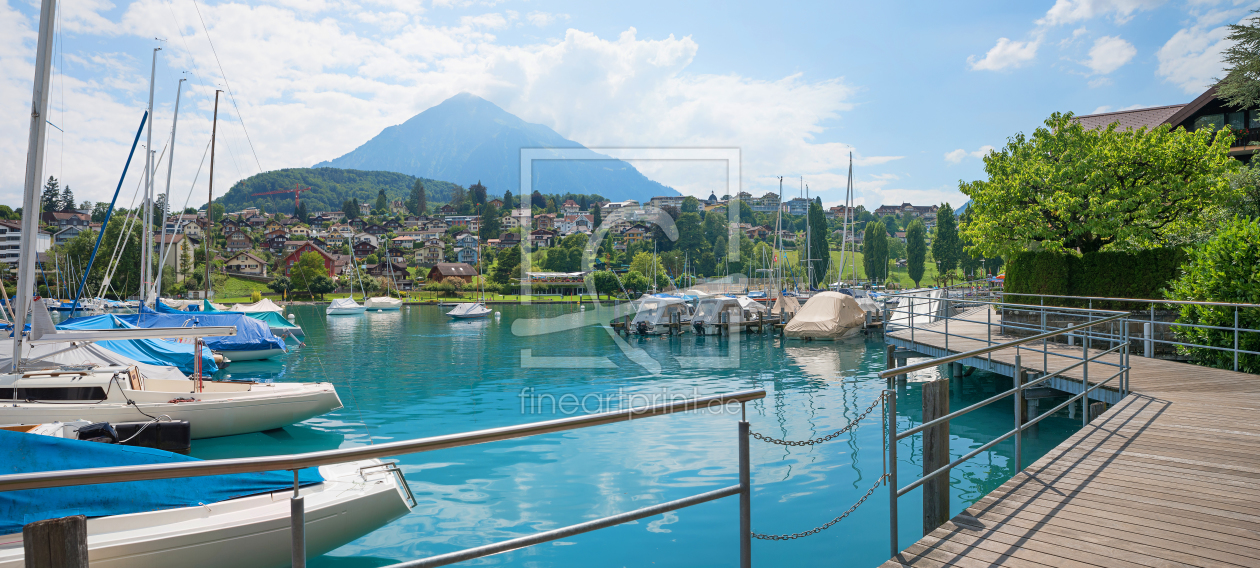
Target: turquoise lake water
point(416, 373)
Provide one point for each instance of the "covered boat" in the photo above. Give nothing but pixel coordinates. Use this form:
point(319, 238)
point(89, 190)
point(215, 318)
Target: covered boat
point(709, 312)
point(655, 313)
point(752, 308)
point(470, 310)
point(154, 352)
point(263, 305)
point(253, 339)
point(865, 301)
point(343, 307)
point(382, 303)
point(238, 520)
point(785, 304)
point(279, 326)
point(827, 315)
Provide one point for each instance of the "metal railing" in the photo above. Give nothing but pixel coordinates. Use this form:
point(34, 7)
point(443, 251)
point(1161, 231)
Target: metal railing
point(1020, 385)
point(297, 462)
point(1150, 336)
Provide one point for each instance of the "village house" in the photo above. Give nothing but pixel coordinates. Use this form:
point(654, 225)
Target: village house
point(541, 238)
point(466, 248)
point(432, 253)
point(460, 270)
point(246, 263)
point(404, 242)
point(62, 219)
point(238, 241)
point(508, 240)
point(306, 247)
point(363, 249)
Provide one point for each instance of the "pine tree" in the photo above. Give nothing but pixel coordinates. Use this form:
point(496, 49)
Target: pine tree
point(490, 225)
point(382, 202)
point(67, 199)
point(819, 250)
point(946, 246)
point(598, 218)
point(418, 202)
point(507, 199)
point(875, 250)
point(478, 193)
point(916, 250)
point(50, 200)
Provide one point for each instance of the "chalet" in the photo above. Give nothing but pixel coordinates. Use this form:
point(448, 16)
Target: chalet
point(570, 224)
point(404, 242)
point(321, 243)
point(437, 226)
point(431, 234)
point(541, 238)
point(497, 203)
point(67, 234)
point(363, 249)
point(375, 229)
point(334, 239)
point(412, 221)
point(759, 232)
point(299, 231)
point(434, 251)
point(387, 269)
point(275, 240)
point(914, 211)
point(63, 219)
point(634, 233)
point(469, 222)
point(345, 230)
point(365, 238)
point(466, 248)
point(508, 240)
point(444, 270)
point(357, 225)
point(393, 225)
point(570, 207)
point(545, 220)
point(307, 247)
point(238, 241)
point(245, 263)
point(272, 225)
point(1205, 111)
point(226, 226)
point(365, 209)
point(398, 255)
point(256, 221)
point(342, 263)
point(446, 210)
point(290, 246)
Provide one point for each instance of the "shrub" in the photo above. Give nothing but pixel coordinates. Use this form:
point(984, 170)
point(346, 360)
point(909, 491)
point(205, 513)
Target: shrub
point(1224, 269)
point(255, 296)
point(1104, 274)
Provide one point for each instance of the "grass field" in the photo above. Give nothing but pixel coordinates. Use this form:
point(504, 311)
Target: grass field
point(898, 275)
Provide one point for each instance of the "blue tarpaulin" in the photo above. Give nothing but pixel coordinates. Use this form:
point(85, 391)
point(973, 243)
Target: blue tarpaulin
point(251, 334)
point(30, 453)
point(151, 351)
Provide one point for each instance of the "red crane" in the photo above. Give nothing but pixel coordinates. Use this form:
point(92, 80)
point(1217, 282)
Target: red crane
point(296, 191)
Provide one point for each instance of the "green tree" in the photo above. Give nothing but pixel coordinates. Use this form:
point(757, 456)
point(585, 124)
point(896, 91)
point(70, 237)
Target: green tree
point(1245, 183)
point(690, 205)
point(605, 282)
point(417, 203)
point(890, 223)
point(217, 211)
point(1066, 187)
point(321, 285)
point(382, 202)
point(67, 199)
point(875, 250)
point(597, 218)
point(507, 200)
point(50, 199)
point(916, 250)
point(508, 261)
point(351, 208)
point(636, 282)
point(946, 246)
point(1241, 86)
point(490, 224)
point(280, 284)
point(690, 235)
point(478, 193)
point(304, 271)
point(537, 200)
point(819, 249)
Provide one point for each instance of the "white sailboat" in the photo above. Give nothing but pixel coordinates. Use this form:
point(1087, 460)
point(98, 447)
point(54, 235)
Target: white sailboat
point(382, 303)
point(347, 306)
point(471, 310)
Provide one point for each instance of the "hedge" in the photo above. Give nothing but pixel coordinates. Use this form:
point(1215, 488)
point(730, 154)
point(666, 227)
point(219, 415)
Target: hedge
point(1143, 274)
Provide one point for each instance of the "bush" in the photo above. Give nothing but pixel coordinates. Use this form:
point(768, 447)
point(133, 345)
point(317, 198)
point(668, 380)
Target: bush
point(1224, 269)
point(255, 296)
point(1104, 274)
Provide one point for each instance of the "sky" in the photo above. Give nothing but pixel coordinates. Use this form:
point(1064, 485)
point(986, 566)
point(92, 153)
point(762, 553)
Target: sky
point(917, 92)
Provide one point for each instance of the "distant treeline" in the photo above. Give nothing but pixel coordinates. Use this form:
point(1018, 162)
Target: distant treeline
point(330, 188)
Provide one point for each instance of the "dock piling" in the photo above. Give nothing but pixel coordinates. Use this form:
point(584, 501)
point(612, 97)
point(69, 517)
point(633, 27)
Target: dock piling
point(935, 455)
point(56, 543)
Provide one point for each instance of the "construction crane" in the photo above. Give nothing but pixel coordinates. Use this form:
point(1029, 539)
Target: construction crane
point(296, 191)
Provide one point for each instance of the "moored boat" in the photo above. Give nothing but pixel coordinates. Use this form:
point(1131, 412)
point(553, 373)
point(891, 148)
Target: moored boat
point(344, 307)
point(382, 303)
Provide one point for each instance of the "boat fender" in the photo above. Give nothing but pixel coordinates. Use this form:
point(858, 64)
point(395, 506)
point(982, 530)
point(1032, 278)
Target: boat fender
point(220, 361)
point(168, 435)
point(99, 432)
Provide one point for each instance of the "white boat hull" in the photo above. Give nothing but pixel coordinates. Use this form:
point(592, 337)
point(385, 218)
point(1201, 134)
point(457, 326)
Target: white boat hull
point(251, 532)
point(344, 311)
point(251, 354)
point(383, 304)
point(265, 407)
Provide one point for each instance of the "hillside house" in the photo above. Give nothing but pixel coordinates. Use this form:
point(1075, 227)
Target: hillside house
point(246, 263)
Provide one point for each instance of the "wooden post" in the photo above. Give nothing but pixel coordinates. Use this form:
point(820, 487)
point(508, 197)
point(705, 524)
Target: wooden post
point(935, 455)
point(1095, 409)
point(56, 543)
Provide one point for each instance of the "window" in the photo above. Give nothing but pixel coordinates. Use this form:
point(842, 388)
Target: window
point(1236, 120)
point(1215, 121)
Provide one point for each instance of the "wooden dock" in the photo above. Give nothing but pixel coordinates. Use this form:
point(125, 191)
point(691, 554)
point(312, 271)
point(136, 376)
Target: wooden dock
point(1168, 476)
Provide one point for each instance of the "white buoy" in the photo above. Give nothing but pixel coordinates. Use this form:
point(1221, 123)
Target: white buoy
point(291, 317)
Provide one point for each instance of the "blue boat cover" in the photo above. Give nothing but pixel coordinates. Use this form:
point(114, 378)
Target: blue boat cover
point(165, 309)
point(150, 351)
point(251, 334)
point(30, 453)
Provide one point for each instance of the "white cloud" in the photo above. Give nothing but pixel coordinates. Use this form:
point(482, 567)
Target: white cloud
point(1108, 54)
point(544, 19)
point(1071, 11)
point(1192, 57)
point(957, 156)
point(1101, 109)
point(322, 89)
point(1005, 55)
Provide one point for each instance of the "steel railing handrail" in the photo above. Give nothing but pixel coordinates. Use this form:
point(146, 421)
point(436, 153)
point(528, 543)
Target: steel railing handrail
point(64, 478)
point(1103, 336)
point(1004, 394)
point(1135, 300)
point(985, 350)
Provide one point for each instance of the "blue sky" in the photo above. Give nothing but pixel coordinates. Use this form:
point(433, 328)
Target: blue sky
point(916, 90)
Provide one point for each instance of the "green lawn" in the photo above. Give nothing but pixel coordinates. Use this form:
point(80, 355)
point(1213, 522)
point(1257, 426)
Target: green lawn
point(899, 275)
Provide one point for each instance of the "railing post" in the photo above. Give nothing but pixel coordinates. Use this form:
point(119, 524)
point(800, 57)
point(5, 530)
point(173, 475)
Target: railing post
point(297, 525)
point(890, 396)
point(745, 499)
point(1019, 412)
point(1235, 338)
point(945, 307)
point(1084, 383)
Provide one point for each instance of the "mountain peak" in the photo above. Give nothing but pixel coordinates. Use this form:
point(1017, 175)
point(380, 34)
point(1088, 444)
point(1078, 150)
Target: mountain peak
point(467, 138)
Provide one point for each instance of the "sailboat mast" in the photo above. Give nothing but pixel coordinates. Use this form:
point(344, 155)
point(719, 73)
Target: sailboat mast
point(844, 230)
point(166, 201)
point(146, 237)
point(809, 258)
point(34, 174)
point(214, 130)
point(778, 242)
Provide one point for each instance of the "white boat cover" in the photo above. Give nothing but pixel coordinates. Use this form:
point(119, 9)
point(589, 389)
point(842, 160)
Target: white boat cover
point(657, 309)
point(379, 302)
point(751, 306)
point(343, 303)
point(785, 303)
point(58, 354)
point(828, 315)
point(709, 310)
point(469, 309)
point(263, 305)
point(180, 304)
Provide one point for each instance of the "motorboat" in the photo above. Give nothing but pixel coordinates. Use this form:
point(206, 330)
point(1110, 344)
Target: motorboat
point(657, 312)
point(709, 312)
point(237, 520)
point(344, 307)
point(827, 315)
point(382, 303)
point(752, 308)
point(470, 310)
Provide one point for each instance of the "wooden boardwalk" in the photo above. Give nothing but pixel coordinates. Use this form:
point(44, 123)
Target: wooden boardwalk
point(1169, 476)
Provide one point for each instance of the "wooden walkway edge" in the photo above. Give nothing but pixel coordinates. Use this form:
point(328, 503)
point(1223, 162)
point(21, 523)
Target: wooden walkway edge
point(1169, 476)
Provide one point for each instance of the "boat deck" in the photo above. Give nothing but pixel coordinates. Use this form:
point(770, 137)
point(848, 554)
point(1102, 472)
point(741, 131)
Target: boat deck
point(1168, 476)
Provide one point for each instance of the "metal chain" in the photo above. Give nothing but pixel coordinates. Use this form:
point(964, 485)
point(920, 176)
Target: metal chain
point(830, 436)
point(869, 492)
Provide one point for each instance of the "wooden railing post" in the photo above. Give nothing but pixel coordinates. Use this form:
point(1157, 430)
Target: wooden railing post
point(56, 543)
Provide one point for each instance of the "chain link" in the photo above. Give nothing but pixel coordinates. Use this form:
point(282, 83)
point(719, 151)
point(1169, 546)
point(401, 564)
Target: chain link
point(814, 531)
point(828, 437)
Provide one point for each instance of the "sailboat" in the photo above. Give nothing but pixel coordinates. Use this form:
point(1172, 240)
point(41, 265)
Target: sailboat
point(471, 310)
point(385, 303)
point(347, 306)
